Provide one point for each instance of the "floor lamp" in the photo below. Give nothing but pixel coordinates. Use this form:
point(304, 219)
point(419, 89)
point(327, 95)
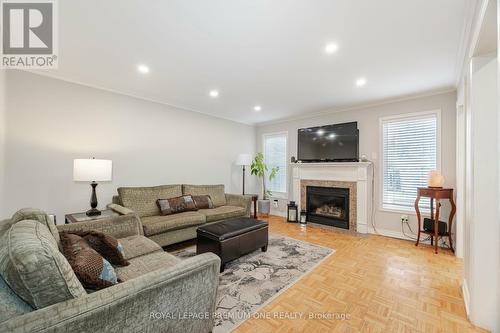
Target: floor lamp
point(244, 160)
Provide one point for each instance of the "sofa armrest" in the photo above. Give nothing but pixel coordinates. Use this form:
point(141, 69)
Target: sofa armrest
point(120, 209)
point(161, 301)
point(239, 200)
point(118, 226)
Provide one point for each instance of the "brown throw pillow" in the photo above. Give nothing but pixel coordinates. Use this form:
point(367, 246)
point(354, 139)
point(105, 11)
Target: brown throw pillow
point(203, 201)
point(106, 245)
point(93, 271)
point(176, 205)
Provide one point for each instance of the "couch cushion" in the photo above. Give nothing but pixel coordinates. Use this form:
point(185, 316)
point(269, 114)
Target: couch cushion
point(135, 246)
point(11, 305)
point(93, 271)
point(216, 192)
point(145, 264)
point(35, 214)
point(33, 267)
point(223, 213)
point(154, 225)
point(142, 200)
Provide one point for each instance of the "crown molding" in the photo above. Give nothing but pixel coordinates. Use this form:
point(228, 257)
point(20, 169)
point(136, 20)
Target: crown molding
point(356, 107)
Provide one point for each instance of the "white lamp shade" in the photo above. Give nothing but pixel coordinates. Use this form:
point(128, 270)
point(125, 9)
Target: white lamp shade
point(92, 170)
point(244, 159)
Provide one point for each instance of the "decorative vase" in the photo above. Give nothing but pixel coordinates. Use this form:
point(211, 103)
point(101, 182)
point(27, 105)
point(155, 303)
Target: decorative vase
point(264, 206)
point(435, 179)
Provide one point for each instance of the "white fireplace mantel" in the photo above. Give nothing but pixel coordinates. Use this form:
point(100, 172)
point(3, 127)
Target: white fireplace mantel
point(359, 172)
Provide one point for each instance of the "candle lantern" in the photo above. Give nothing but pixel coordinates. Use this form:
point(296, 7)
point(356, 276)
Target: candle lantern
point(303, 217)
point(292, 215)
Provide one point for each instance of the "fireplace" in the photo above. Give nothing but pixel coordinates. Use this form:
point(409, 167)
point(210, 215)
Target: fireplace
point(328, 205)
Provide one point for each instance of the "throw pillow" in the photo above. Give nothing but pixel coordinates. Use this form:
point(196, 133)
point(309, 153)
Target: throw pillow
point(93, 271)
point(203, 201)
point(33, 267)
point(106, 245)
point(176, 205)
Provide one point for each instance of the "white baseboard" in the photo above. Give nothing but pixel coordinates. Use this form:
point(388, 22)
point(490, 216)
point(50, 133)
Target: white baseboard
point(465, 291)
point(394, 234)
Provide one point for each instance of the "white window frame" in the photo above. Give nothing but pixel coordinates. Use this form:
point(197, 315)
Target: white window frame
point(406, 116)
point(278, 195)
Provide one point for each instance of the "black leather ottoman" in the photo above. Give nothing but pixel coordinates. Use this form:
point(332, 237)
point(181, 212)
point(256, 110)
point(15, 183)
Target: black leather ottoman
point(230, 239)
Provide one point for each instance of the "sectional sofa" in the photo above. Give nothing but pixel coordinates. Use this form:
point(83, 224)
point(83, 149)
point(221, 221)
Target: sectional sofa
point(170, 229)
point(39, 291)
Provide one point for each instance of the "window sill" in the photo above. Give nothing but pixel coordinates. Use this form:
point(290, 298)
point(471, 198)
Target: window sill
point(408, 211)
point(280, 195)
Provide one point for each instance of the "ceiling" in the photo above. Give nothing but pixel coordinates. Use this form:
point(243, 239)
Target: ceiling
point(261, 52)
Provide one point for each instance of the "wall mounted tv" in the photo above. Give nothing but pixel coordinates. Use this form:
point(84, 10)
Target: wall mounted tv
point(330, 143)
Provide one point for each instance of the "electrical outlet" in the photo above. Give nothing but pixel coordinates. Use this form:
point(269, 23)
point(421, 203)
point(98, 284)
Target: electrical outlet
point(404, 218)
point(275, 203)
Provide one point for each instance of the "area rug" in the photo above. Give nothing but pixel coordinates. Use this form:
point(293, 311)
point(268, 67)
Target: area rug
point(253, 280)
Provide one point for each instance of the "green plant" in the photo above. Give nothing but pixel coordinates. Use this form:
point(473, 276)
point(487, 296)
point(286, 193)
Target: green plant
point(259, 169)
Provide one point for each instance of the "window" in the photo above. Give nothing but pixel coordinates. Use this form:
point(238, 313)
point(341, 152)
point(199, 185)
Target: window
point(275, 155)
point(410, 148)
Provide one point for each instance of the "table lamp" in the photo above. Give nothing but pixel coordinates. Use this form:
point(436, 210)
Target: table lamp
point(93, 171)
point(244, 160)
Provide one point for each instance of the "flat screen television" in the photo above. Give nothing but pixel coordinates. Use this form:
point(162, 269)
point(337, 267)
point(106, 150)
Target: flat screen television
point(330, 143)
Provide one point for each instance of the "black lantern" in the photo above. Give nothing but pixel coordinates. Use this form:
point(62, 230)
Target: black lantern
point(303, 217)
point(292, 215)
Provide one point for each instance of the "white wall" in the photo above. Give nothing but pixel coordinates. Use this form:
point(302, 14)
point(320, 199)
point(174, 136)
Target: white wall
point(368, 124)
point(51, 122)
point(483, 226)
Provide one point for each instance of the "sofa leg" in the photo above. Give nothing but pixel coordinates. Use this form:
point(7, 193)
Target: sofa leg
point(264, 248)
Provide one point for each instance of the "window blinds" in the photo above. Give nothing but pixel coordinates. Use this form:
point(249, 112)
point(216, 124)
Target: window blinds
point(275, 156)
point(410, 149)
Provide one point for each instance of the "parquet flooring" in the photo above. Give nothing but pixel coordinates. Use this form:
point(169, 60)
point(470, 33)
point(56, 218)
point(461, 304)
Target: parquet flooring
point(379, 284)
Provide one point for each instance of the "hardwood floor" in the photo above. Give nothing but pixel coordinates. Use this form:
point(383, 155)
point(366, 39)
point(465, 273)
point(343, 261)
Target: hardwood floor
point(382, 284)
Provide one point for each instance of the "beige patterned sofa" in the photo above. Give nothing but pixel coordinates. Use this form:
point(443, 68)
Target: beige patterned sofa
point(170, 229)
point(158, 294)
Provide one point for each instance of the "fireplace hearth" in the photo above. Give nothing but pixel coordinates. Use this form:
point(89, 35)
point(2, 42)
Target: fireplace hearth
point(328, 205)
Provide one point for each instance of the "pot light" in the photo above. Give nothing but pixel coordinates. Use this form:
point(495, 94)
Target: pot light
point(331, 48)
point(320, 132)
point(143, 69)
point(214, 93)
point(360, 82)
point(257, 108)
point(331, 136)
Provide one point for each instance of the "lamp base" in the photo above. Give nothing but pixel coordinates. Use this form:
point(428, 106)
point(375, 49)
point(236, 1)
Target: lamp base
point(93, 212)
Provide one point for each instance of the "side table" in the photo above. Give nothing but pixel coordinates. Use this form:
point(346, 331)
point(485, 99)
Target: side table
point(81, 217)
point(435, 193)
point(255, 197)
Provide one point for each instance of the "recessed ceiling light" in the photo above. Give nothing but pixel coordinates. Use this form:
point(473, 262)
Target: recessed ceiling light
point(361, 82)
point(257, 108)
point(320, 132)
point(143, 69)
point(331, 136)
point(214, 93)
point(331, 48)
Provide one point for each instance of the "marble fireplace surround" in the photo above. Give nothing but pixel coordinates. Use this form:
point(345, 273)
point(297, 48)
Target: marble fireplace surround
point(332, 183)
point(356, 176)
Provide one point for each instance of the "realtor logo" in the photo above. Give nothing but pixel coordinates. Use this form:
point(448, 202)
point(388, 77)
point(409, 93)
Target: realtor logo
point(29, 34)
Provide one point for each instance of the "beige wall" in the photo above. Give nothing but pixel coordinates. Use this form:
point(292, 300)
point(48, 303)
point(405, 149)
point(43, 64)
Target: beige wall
point(368, 124)
point(51, 122)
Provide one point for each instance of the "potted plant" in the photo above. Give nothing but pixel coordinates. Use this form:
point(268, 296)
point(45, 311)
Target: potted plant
point(259, 169)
